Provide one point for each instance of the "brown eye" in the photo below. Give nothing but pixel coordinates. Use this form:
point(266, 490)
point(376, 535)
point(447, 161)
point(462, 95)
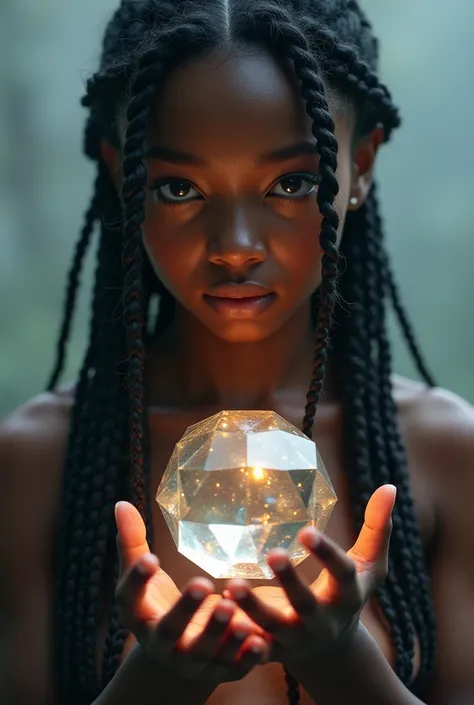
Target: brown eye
point(175, 191)
point(295, 186)
point(179, 189)
point(292, 185)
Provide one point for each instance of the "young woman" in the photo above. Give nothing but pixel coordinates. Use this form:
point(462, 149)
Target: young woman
point(235, 143)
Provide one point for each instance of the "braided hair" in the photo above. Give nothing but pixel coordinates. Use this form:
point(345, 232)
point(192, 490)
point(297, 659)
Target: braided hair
point(328, 43)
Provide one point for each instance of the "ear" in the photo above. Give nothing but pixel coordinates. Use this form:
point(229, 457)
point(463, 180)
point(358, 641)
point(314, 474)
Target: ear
point(362, 168)
point(112, 158)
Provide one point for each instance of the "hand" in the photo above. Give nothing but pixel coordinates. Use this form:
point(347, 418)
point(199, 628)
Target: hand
point(197, 634)
point(306, 622)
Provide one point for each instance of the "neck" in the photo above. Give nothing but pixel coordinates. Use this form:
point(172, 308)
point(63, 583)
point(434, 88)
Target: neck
point(189, 366)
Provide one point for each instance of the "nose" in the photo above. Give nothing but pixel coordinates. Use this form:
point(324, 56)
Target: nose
point(236, 241)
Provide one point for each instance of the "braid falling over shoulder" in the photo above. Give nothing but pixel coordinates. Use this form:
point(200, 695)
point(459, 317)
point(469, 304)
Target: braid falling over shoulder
point(329, 44)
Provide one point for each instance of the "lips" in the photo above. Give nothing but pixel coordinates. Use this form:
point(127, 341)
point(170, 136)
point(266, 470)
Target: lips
point(240, 301)
point(246, 290)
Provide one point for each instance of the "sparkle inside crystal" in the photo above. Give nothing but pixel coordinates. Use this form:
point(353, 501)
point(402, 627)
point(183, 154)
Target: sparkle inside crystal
point(239, 484)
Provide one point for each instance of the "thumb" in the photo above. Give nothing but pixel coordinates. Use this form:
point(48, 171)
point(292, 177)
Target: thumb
point(373, 541)
point(131, 537)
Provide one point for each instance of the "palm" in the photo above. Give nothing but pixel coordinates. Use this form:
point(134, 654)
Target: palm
point(299, 616)
point(325, 588)
point(161, 594)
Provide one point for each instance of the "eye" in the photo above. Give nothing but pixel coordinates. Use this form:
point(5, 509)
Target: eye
point(294, 186)
point(174, 191)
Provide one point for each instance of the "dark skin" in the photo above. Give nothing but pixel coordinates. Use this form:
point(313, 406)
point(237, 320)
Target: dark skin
point(237, 229)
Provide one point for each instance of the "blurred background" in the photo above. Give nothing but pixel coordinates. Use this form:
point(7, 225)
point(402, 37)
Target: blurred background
point(48, 48)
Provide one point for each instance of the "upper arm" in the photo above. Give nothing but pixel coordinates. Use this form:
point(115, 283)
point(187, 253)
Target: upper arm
point(451, 439)
point(28, 489)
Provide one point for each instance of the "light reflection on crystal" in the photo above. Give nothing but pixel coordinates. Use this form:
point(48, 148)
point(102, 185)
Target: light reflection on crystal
point(240, 484)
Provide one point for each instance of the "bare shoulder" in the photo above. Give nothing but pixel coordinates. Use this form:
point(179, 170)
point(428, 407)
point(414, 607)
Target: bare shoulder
point(438, 426)
point(35, 434)
point(433, 405)
point(39, 411)
point(32, 444)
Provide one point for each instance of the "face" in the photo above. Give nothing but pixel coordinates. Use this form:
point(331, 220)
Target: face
point(232, 223)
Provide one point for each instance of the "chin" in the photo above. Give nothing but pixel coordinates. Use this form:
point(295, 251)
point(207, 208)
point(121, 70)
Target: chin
point(243, 332)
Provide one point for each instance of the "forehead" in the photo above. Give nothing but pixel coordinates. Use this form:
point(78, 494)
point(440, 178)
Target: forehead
point(235, 100)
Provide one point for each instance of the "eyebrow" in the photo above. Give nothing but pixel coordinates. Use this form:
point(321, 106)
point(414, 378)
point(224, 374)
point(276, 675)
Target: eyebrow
point(174, 156)
point(295, 150)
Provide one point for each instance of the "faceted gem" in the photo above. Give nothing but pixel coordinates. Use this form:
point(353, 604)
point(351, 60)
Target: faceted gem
point(239, 484)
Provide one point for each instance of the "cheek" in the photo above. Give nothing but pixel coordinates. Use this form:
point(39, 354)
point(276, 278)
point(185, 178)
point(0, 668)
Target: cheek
point(172, 253)
point(166, 261)
point(299, 255)
point(304, 256)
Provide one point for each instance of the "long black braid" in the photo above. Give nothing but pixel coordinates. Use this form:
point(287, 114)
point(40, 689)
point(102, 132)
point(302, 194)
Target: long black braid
point(328, 43)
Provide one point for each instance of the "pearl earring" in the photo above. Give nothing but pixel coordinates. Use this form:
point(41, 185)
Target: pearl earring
point(354, 201)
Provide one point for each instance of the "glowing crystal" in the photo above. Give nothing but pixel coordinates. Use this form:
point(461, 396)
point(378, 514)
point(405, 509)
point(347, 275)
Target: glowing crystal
point(239, 484)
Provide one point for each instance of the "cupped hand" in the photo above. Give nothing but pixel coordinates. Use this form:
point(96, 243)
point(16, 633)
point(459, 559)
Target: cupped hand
point(307, 621)
point(197, 634)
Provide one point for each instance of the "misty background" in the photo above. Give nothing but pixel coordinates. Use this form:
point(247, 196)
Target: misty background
point(426, 176)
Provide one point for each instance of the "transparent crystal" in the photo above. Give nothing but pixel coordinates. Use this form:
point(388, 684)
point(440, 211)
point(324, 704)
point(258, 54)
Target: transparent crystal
point(239, 484)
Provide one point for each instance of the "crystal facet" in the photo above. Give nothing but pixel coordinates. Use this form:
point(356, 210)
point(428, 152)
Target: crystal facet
point(239, 484)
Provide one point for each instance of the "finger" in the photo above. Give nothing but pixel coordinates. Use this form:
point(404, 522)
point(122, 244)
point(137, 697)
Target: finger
point(265, 616)
point(299, 595)
point(131, 537)
point(207, 643)
point(374, 538)
point(173, 624)
point(255, 651)
point(341, 567)
point(131, 588)
point(233, 643)
point(242, 618)
point(238, 654)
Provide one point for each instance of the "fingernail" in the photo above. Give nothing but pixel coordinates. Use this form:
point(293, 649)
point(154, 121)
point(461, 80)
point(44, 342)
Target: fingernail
point(323, 550)
point(143, 569)
point(147, 564)
point(239, 593)
point(314, 539)
point(222, 617)
point(394, 495)
point(315, 542)
point(197, 594)
point(280, 564)
point(240, 634)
